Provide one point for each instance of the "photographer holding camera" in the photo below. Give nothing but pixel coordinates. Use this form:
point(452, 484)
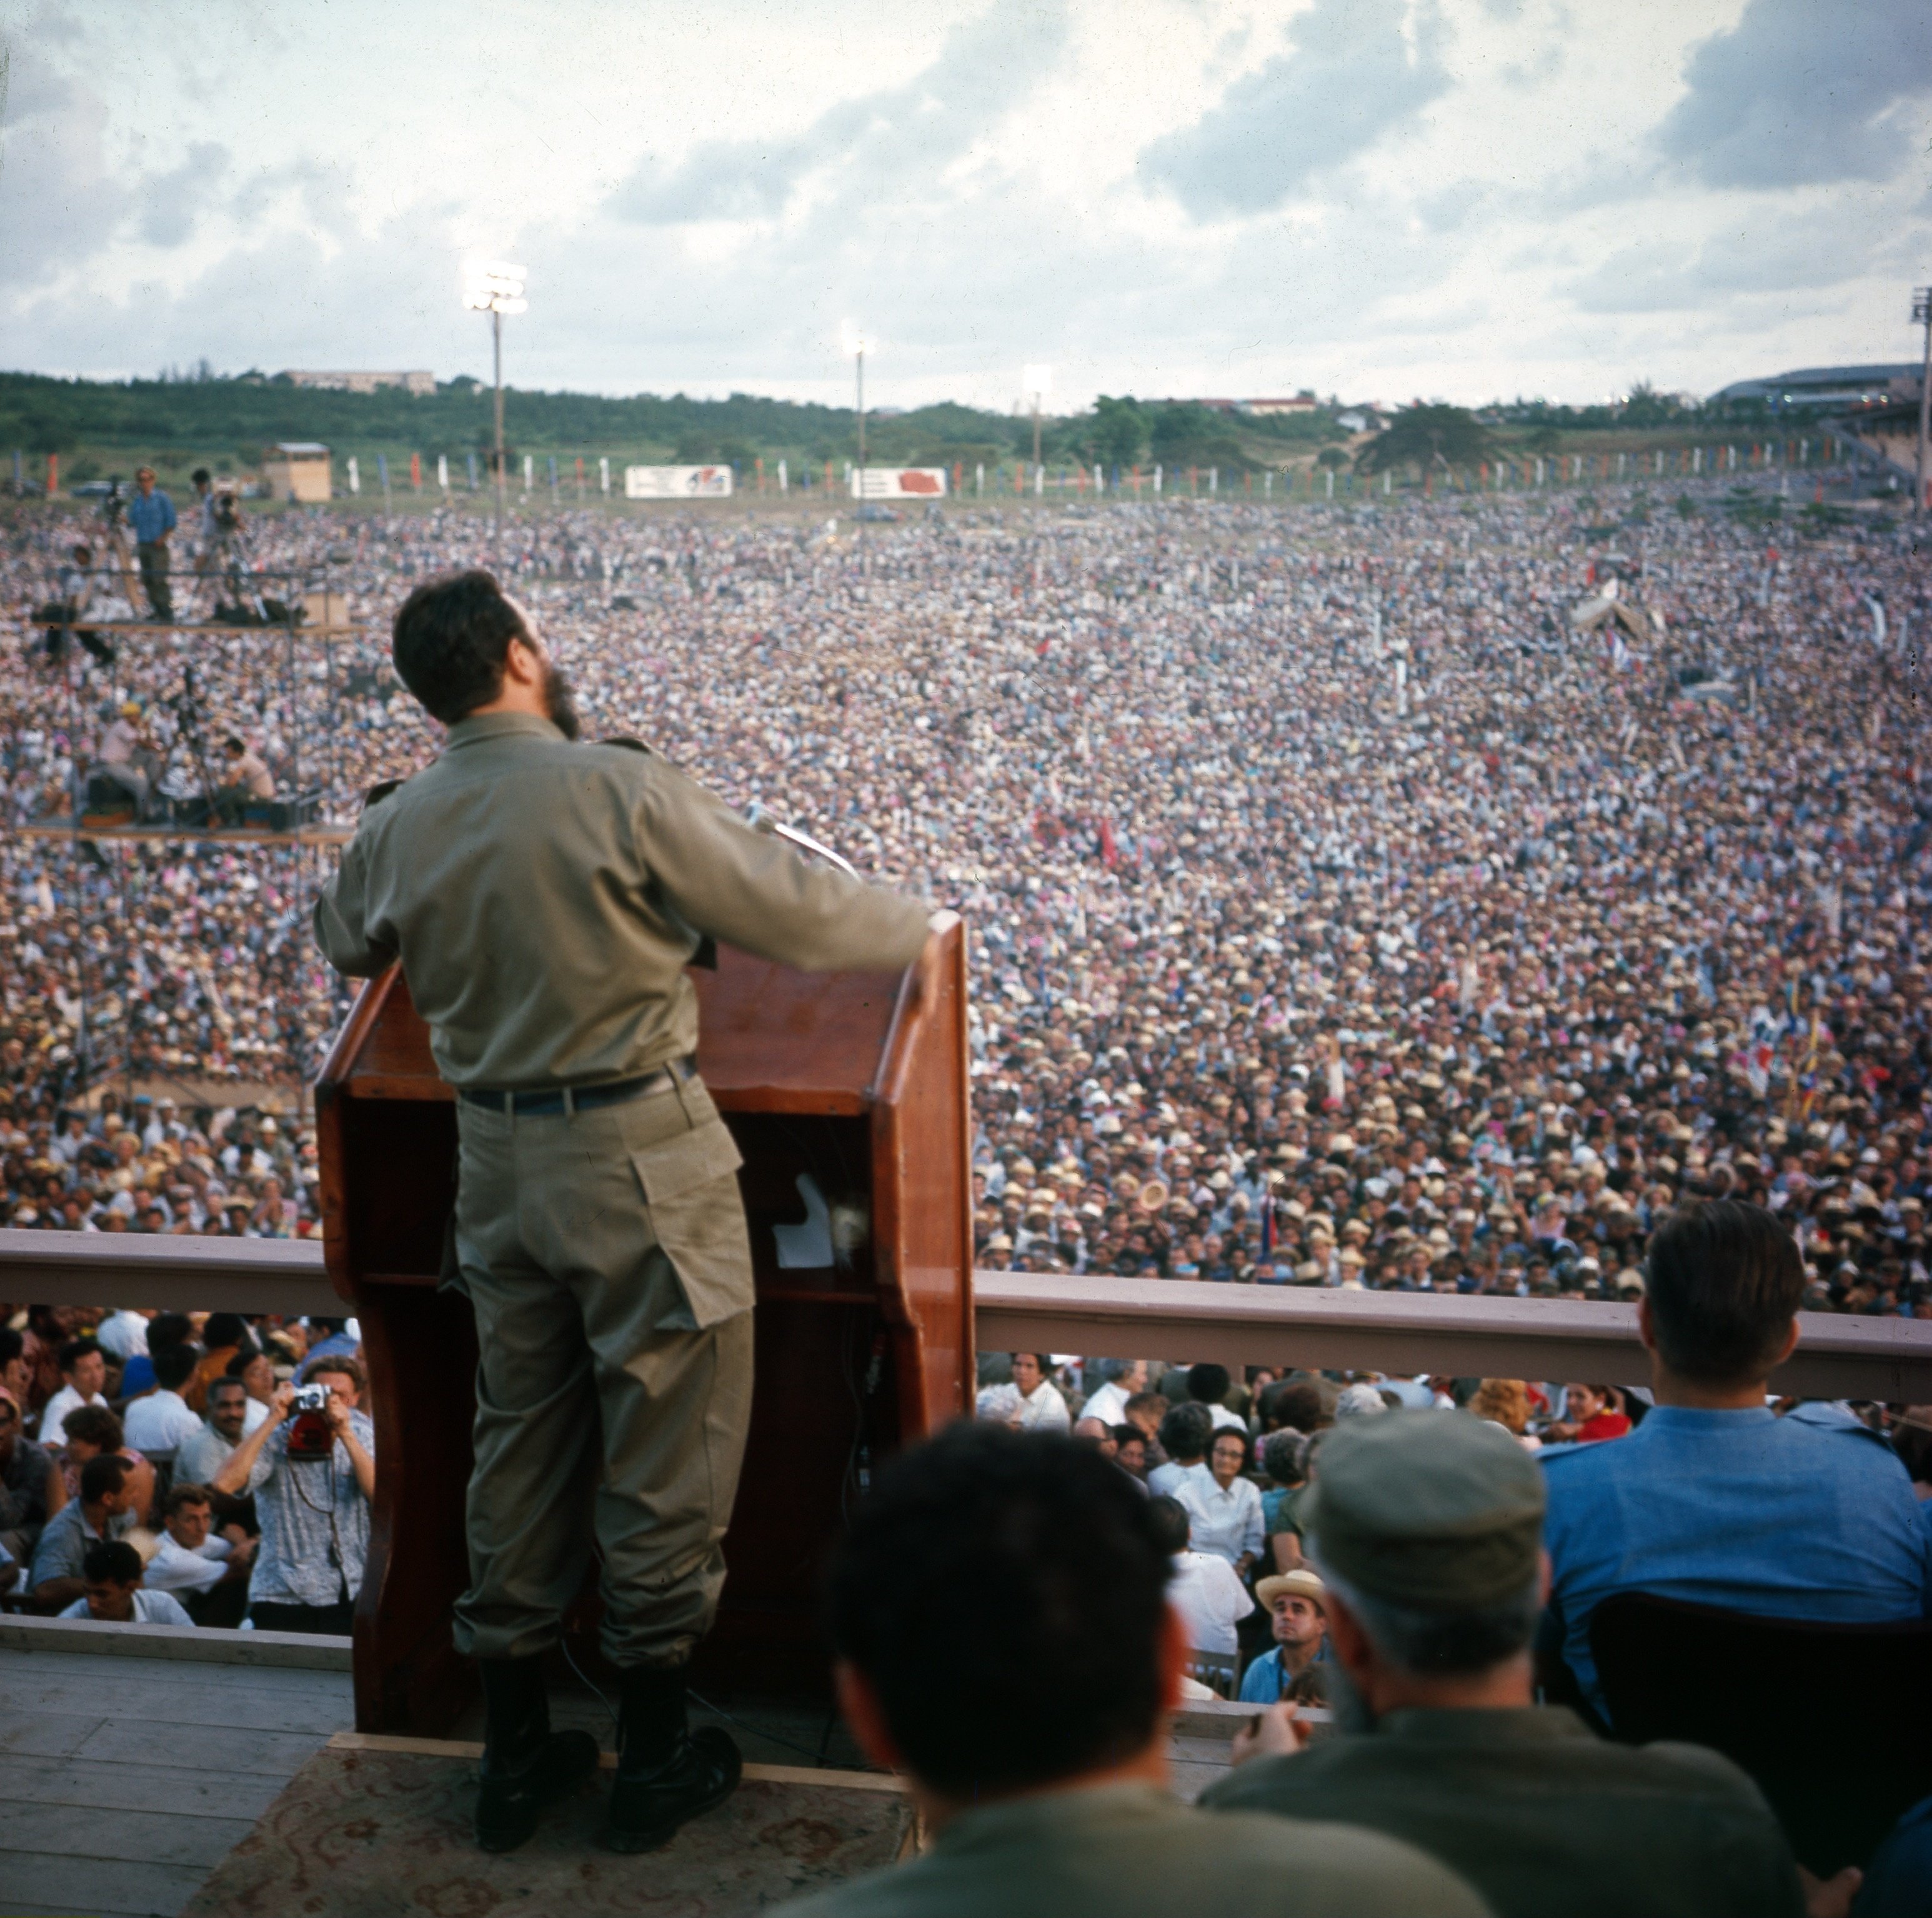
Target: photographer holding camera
point(313, 1505)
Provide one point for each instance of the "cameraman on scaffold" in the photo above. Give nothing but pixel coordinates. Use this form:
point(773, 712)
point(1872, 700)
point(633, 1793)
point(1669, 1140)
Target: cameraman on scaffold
point(544, 897)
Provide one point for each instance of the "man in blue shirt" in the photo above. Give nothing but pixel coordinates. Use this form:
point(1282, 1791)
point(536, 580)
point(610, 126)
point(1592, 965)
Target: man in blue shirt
point(1713, 1498)
point(152, 513)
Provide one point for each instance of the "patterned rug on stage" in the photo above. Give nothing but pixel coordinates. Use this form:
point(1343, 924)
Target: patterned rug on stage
point(372, 1833)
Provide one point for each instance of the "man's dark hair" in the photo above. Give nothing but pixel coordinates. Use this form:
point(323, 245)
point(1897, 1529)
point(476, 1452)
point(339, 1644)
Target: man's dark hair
point(1296, 1404)
point(1724, 1280)
point(93, 1425)
point(1171, 1524)
point(72, 1351)
point(101, 1478)
point(1207, 1384)
point(167, 1328)
point(989, 1564)
point(233, 747)
point(225, 1328)
point(185, 1492)
point(201, 476)
point(1185, 1431)
point(239, 1364)
point(174, 1367)
point(450, 639)
point(111, 1561)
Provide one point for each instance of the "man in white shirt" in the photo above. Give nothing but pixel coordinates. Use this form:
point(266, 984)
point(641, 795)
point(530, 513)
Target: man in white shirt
point(159, 1423)
point(1108, 1402)
point(1184, 1433)
point(114, 1594)
point(1042, 1408)
point(1209, 1600)
point(83, 1372)
point(207, 1572)
point(124, 1333)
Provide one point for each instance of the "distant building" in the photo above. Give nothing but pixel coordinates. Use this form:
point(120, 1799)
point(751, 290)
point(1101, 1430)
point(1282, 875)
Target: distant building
point(1301, 402)
point(297, 469)
point(362, 382)
point(1827, 386)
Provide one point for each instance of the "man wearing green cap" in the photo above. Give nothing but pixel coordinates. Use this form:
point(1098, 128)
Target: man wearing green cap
point(1427, 1528)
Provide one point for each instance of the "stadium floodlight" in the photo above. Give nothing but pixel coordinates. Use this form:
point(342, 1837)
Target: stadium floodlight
point(1036, 382)
point(1921, 316)
point(856, 345)
point(496, 287)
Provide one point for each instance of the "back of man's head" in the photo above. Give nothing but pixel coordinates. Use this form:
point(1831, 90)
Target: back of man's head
point(174, 1366)
point(989, 1566)
point(101, 1477)
point(1171, 1524)
point(1185, 1431)
point(1207, 1384)
point(1429, 1526)
point(1724, 1280)
point(450, 639)
point(111, 1561)
point(167, 1328)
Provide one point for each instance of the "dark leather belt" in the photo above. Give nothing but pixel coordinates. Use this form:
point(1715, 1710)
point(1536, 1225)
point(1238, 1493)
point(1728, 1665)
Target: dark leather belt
point(580, 1099)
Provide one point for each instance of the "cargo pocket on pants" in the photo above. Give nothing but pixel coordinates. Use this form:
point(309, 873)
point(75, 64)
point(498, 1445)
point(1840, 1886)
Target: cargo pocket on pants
point(690, 1191)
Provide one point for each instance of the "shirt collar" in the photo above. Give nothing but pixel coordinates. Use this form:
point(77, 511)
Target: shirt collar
point(499, 726)
point(1509, 1725)
point(1022, 1819)
point(1703, 1418)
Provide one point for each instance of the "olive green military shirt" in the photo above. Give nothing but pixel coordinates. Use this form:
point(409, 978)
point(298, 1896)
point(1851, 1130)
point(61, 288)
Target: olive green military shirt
point(544, 897)
point(1129, 1851)
point(1541, 1816)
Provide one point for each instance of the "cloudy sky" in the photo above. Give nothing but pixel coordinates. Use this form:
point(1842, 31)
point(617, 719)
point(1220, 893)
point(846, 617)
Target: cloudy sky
point(1386, 198)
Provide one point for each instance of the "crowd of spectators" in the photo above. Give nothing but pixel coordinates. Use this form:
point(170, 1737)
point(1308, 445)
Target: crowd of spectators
point(166, 1468)
point(1340, 915)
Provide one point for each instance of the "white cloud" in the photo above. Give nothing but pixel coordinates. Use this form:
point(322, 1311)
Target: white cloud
point(1453, 196)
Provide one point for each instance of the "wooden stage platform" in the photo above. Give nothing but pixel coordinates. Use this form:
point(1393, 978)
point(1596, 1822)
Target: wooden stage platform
point(146, 1769)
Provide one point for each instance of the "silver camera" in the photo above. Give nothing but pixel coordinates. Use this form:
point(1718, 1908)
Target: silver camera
point(310, 1398)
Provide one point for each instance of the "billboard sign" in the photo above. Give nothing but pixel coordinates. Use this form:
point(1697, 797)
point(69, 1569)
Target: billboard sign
point(677, 482)
point(899, 482)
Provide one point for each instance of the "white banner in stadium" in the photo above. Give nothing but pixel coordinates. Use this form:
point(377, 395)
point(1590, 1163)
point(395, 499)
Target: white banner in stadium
point(899, 482)
point(677, 482)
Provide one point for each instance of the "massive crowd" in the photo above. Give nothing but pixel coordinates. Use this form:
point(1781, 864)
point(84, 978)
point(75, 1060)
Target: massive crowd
point(1340, 914)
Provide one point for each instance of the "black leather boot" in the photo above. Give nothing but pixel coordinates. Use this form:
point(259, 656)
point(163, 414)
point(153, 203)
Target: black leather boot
point(666, 1772)
point(526, 1765)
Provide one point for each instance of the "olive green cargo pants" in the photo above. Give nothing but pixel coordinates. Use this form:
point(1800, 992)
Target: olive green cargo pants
point(605, 1252)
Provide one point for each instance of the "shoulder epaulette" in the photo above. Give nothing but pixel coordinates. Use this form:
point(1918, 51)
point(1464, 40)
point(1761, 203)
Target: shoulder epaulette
point(379, 791)
point(629, 744)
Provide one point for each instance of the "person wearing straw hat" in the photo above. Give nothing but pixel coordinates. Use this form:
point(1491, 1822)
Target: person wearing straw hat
point(1427, 1528)
point(1296, 1602)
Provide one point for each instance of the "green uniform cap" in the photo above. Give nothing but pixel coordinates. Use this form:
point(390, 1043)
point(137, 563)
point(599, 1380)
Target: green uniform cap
point(1434, 1510)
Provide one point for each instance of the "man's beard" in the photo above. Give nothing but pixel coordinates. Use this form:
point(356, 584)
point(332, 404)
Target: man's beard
point(560, 704)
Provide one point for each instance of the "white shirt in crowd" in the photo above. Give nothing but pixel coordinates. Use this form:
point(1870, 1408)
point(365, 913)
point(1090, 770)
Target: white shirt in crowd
point(1227, 1523)
point(1044, 1410)
point(1223, 1419)
point(1108, 1403)
point(1164, 1482)
point(1211, 1600)
point(200, 1457)
point(174, 1567)
point(150, 1608)
point(53, 1414)
point(123, 1333)
point(158, 1422)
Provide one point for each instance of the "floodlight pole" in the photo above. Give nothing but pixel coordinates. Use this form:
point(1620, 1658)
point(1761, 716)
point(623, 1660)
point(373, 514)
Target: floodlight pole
point(859, 357)
point(1921, 316)
point(1036, 433)
point(496, 340)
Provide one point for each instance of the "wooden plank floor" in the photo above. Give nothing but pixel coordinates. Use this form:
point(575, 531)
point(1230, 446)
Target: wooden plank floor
point(181, 1758)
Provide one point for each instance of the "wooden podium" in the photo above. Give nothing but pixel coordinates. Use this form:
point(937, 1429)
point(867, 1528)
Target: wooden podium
point(856, 1082)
